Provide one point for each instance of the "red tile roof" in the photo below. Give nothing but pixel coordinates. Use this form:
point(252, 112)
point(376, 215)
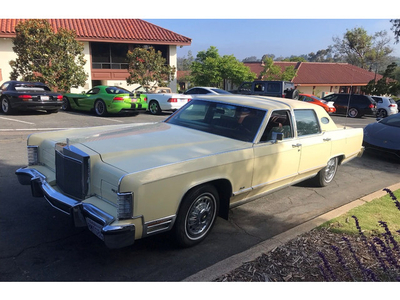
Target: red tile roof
point(108, 30)
point(313, 73)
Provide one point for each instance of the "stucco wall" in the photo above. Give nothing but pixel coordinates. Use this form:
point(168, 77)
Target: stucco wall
point(6, 54)
point(318, 90)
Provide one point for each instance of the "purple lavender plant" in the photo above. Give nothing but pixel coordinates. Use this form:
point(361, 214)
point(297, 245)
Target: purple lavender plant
point(397, 203)
point(389, 235)
point(342, 262)
point(327, 266)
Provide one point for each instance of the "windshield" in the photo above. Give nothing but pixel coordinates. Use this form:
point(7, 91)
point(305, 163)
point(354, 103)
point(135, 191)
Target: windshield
point(393, 120)
point(232, 121)
point(219, 91)
point(117, 90)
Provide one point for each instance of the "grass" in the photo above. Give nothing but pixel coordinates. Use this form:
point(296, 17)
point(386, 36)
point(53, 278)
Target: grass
point(369, 215)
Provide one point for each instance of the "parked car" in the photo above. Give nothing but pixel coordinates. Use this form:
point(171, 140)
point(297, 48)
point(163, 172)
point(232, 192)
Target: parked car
point(201, 91)
point(163, 99)
point(104, 100)
point(385, 106)
point(353, 105)
point(22, 96)
point(282, 89)
point(328, 106)
point(126, 182)
point(383, 136)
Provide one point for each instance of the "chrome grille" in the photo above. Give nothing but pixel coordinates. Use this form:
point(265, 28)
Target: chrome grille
point(72, 172)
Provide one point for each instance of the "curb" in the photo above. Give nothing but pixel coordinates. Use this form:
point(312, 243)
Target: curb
point(229, 264)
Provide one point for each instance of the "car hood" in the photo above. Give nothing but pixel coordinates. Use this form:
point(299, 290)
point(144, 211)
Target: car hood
point(382, 135)
point(146, 146)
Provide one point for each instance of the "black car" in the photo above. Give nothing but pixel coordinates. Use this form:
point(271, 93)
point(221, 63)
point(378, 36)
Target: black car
point(283, 89)
point(353, 105)
point(22, 95)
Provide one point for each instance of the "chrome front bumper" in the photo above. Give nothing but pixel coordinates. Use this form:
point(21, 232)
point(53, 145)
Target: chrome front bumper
point(82, 214)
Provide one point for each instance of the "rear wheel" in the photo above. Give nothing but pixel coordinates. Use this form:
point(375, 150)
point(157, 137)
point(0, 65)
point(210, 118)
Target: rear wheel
point(326, 175)
point(382, 113)
point(65, 105)
point(100, 108)
point(354, 113)
point(154, 107)
point(197, 215)
point(6, 106)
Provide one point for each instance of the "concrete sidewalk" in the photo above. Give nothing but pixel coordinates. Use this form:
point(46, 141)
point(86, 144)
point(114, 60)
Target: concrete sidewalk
point(235, 261)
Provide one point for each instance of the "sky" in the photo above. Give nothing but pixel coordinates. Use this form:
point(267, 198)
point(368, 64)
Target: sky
point(256, 37)
point(240, 28)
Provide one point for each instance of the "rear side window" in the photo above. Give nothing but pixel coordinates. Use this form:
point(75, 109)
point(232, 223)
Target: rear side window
point(307, 122)
point(246, 87)
point(273, 87)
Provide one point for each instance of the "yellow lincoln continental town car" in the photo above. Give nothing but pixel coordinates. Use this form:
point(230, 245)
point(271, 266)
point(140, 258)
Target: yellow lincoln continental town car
point(126, 182)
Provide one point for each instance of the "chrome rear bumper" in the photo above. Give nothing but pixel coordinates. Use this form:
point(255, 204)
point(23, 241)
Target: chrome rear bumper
point(82, 214)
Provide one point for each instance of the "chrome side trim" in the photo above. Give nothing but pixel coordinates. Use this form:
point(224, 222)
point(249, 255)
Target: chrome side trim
point(159, 225)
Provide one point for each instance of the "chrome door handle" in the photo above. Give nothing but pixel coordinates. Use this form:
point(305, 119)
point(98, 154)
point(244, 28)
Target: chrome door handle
point(296, 146)
point(327, 139)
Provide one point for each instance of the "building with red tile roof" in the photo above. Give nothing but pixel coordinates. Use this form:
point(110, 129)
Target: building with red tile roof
point(320, 78)
point(102, 36)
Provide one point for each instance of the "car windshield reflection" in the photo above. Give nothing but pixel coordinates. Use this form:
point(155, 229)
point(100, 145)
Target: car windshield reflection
point(231, 121)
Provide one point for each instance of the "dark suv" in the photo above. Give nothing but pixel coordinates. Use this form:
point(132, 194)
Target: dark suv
point(283, 89)
point(354, 105)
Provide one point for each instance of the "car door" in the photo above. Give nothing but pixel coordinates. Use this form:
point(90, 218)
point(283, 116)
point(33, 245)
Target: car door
point(87, 100)
point(275, 162)
point(314, 145)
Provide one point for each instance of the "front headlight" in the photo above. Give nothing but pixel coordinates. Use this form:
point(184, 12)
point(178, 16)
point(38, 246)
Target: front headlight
point(33, 157)
point(125, 206)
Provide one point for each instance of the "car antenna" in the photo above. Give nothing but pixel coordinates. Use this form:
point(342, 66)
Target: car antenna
point(348, 102)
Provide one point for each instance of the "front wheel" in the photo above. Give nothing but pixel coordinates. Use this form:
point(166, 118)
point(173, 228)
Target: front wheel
point(326, 175)
point(100, 108)
point(196, 216)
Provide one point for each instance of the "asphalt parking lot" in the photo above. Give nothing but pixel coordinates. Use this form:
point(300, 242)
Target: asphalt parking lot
point(38, 243)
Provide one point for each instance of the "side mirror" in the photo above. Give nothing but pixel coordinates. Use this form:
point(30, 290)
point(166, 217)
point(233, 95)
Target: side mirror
point(277, 136)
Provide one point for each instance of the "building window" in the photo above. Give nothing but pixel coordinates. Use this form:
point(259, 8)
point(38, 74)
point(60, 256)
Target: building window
point(113, 55)
point(109, 56)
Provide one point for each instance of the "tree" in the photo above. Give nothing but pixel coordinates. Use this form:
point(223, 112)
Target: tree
point(363, 50)
point(148, 68)
point(184, 63)
point(385, 85)
point(274, 72)
point(210, 69)
point(55, 59)
point(396, 29)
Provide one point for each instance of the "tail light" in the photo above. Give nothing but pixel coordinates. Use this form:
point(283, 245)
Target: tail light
point(25, 97)
point(392, 105)
point(118, 98)
point(59, 97)
point(33, 157)
point(125, 206)
point(145, 99)
point(371, 106)
point(172, 100)
point(283, 95)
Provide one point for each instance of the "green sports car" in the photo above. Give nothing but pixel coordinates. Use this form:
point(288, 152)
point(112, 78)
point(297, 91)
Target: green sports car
point(105, 100)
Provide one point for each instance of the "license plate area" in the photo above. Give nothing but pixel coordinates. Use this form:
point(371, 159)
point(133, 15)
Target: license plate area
point(95, 228)
point(44, 98)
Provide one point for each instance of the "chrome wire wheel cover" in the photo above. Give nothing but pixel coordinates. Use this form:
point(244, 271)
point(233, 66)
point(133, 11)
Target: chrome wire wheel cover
point(200, 216)
point(330, 170)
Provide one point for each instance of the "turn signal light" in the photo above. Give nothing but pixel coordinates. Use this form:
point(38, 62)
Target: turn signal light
point(125, 206)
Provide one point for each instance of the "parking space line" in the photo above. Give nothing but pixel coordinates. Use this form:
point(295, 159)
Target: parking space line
point(110, 119)
point(17, 121)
